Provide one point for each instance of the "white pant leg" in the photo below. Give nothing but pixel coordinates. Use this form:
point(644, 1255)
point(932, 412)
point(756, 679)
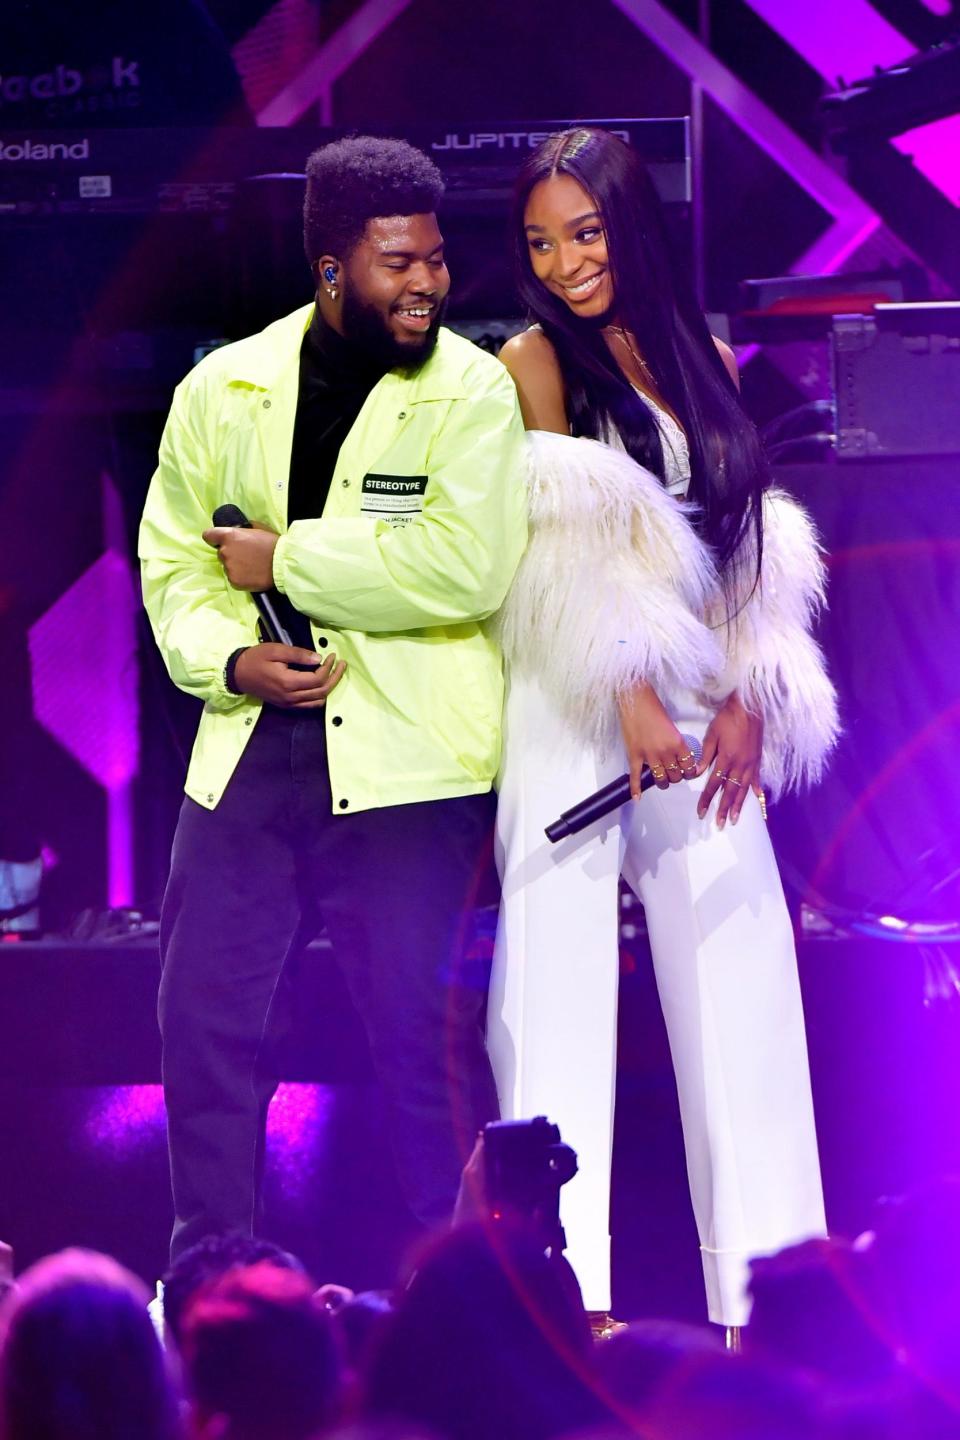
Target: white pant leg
point(727, 975)
point(552, 1013)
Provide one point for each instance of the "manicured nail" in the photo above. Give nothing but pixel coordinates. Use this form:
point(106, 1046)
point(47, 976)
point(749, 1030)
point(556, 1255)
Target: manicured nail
point(720, 823)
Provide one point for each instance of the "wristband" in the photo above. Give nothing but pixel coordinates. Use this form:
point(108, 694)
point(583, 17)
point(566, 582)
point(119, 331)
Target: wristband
point(230, 670)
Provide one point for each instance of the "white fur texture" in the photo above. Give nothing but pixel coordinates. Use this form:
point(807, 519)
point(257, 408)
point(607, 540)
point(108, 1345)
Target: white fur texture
point(773, 662)
point(616, 587)
point(612, 587)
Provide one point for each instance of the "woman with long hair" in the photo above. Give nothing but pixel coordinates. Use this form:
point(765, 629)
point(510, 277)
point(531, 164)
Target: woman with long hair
point(667, 592)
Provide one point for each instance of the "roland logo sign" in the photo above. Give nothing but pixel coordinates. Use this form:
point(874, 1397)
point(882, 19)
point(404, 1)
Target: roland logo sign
point(500, 139)
point(54, 150)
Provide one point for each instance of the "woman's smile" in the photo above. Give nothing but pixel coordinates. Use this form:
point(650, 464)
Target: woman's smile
point(581, 289)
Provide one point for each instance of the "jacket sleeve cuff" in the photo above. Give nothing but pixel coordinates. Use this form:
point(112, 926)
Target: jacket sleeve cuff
point(280, 564)
point(774, 663)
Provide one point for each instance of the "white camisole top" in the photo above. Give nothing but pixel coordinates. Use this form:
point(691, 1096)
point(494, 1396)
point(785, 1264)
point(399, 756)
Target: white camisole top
point(676, 452)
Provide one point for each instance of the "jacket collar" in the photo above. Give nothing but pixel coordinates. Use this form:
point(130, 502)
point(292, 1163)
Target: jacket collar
point(264, 359)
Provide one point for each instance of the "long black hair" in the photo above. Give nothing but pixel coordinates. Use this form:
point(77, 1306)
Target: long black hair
point(654, 302)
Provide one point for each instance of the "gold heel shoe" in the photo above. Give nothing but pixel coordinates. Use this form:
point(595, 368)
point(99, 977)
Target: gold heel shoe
point(734, 1338)
point(603, 1325)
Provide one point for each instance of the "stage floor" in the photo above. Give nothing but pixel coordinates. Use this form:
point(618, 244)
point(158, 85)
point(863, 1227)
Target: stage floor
point(82, 1144)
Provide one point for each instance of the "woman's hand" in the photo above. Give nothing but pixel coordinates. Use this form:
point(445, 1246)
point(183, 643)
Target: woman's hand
point(652, 739)
point(733, 745)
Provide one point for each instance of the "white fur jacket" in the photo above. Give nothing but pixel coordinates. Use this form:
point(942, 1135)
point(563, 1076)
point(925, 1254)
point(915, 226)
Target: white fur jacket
point(616, 587)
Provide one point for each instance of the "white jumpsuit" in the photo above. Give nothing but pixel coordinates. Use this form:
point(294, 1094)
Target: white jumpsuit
point(726, 971)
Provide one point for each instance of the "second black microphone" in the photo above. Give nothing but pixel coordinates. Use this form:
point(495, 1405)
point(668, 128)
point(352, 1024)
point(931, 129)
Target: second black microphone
point(611, 797)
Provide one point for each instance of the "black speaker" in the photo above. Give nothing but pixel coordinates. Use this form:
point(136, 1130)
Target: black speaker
point(896, 378)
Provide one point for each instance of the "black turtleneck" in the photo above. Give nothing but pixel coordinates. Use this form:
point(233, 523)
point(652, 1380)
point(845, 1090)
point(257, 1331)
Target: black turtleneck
point(335, 380)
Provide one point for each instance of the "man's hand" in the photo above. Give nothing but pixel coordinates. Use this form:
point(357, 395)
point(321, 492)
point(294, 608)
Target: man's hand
point(264, 671)
point(733, 744)
point(246, 555)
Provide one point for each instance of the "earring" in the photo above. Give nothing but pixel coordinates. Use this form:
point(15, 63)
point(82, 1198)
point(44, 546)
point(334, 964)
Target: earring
point(330, 275)
point(332, 291)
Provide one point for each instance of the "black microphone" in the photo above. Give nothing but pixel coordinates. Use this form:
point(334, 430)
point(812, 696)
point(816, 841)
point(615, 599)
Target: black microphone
point(273, 626)
point(611, 797)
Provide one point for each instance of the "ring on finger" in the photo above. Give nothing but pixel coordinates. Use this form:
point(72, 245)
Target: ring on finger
point(738, 783)
point(689, 756)
point(657, 771)
point(673, 765)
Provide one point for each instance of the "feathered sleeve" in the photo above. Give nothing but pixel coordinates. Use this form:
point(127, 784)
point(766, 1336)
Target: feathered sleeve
point(774, 663)
point(612, 588)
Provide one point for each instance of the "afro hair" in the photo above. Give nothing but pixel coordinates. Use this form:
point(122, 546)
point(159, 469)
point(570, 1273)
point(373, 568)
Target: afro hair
point(351, 181)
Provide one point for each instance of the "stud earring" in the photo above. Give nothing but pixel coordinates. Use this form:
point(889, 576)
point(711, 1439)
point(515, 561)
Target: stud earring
point(332, 291)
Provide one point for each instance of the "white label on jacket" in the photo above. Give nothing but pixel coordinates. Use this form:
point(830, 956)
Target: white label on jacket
point(392, 497)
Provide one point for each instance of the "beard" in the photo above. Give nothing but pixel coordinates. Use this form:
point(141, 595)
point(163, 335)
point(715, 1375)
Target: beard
point(366, 328)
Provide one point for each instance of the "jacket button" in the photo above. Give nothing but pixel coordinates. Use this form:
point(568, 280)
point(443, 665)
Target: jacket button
point(345, 482)
point(249, 720)
point(210, 800)
point(344, 804)
point(402, 415)
point(267, 404)
point(322, 641)
point(337, 720)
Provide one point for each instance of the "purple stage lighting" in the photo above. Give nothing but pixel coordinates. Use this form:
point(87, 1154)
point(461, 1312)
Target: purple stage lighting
point(125, 1120)
point(850, 41)
point(83, 657)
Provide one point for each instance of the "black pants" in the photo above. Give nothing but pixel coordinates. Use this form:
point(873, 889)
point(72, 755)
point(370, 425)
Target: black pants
point(249, 882)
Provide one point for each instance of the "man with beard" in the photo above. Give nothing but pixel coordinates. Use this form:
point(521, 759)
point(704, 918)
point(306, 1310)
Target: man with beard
point(346, 777)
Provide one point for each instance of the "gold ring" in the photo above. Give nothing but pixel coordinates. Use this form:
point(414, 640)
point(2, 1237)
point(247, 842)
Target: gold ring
point(656, 771)
point(763, 803)
point(689, 756)
point(674, 765)
point(738, 783)
point(721, 776)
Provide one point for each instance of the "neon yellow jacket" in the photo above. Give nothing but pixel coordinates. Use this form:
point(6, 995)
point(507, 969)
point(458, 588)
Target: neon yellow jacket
point(397, 586)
